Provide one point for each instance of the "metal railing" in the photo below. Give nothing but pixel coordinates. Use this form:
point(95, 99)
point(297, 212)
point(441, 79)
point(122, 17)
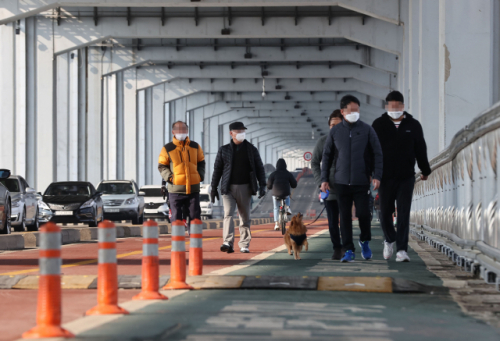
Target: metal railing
point(459, 205)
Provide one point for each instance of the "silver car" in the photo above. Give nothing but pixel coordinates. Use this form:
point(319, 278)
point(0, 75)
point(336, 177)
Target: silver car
point(122, 200)
point(5, 201)
point(24, 204)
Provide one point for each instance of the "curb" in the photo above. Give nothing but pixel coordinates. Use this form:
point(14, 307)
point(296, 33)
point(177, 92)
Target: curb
point(85, 234)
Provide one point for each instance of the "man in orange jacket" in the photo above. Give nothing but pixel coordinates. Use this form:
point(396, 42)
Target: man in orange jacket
point(182, 166)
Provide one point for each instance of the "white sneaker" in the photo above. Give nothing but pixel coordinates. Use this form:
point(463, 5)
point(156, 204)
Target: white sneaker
point(244, 250)
point(388, 249)
point(288, 210)
point(276, 226)
point(402, 256)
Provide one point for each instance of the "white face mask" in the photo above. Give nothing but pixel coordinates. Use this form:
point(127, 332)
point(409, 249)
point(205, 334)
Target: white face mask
point(352, 117)
point(395, 114)
point(240, 137)
point(181, 137)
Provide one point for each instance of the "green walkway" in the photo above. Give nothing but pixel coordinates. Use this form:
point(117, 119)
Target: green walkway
point(245, 315)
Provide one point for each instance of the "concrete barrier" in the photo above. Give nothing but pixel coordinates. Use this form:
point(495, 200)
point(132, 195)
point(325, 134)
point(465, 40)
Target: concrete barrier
point(12, 242)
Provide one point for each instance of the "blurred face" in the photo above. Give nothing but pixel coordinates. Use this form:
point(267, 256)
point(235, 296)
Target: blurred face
point(236, 132)
point(334, 121)
point(394, 106)
point(351, 107)
point(180, 128)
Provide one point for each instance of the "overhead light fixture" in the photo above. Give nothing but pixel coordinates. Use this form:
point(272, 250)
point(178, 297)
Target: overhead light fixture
point(278, 87)
point(265, 73)
point(225, 31)
point(287, 97)
point(296, 106)
point(248, 56)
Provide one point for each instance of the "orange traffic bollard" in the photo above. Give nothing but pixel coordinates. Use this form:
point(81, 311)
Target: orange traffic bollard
point(150, 263)
point(195, 248)
point(178, 258)
point(107, 272)
point(48, 315)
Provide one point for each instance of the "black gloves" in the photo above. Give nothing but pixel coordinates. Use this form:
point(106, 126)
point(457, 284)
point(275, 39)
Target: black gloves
point(214, 194)
point(262, 191)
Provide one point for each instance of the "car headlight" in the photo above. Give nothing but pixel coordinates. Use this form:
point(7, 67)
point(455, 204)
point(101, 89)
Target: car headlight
point(88, 203)
point(16, 202)
point(43, 206)
point(131, 201)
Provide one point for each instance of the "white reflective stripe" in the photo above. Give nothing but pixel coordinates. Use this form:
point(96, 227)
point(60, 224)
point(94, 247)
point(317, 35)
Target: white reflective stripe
point(150, 232)
point(178, 246)
point(50, 241)
point(196, 228)
point(106, 234)
point(150, 249)
point(178, 230)
point(195, 242)
point(50, 266)
point(107, 256)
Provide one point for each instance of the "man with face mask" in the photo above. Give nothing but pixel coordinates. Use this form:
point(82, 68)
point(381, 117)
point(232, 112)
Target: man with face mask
point(239, 169)
point(182, 166)
point(402, 140)
point(354, 149)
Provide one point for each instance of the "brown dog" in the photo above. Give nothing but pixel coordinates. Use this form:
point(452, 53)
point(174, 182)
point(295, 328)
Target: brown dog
point(295, 236)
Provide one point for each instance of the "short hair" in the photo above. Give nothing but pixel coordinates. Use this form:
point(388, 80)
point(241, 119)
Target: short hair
point(395, 96)
point(344, 102)
point(173, 125)
point(335, 114)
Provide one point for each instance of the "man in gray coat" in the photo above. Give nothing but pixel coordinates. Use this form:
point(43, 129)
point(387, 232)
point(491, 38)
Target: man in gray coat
point(331, 205)
point(354, 149)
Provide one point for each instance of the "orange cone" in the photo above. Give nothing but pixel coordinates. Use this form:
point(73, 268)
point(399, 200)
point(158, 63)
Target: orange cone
point(178, 258)
point(107, 273)
point(150, 263)
point(195, 248)
point(48, 316)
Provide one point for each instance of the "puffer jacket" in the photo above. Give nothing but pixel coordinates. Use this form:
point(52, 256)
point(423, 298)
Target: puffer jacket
point(182, 165)
point(355, 151)
point(316, 168)
point(281, 180)
point(224, 163)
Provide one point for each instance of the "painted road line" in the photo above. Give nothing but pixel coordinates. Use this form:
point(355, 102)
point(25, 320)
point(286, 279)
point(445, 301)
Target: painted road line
point(93, 261)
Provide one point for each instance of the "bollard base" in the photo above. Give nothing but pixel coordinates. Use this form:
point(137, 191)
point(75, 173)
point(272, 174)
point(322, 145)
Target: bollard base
point(106, 309)
point(47, 331)
point(150, 295)
point(177, 286)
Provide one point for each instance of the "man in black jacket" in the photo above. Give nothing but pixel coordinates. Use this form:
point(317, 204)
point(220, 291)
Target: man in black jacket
point(402, 141)
point(280, 182)
point(240, 166)
point(354, 149)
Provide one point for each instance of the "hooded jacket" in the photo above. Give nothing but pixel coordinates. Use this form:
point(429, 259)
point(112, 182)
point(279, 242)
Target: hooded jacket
point(355, 151)
point(401, 147)
point(182, 166)
point(281, 180)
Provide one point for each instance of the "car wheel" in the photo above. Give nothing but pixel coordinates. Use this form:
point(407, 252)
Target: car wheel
point(6, 225)
point(94, 223)
point(36, 224)
point(22, 227)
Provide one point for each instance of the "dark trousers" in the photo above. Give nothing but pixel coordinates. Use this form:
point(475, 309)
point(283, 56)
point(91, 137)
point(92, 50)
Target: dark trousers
point(180, 202)
point(346, 195)
point(401, 192)
point(332, 211)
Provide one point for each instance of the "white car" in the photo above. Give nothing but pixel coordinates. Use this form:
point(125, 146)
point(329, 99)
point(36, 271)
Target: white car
point(122, 200)
point(207, 210)
point(24, 205)
point(154, 201)
point(5, 227)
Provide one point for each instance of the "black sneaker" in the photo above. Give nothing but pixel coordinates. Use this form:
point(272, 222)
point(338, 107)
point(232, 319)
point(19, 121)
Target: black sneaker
point(337, 254)
point(226, 248)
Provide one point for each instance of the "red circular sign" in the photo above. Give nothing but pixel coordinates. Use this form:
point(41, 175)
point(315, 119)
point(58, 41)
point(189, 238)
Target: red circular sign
point(308, 156)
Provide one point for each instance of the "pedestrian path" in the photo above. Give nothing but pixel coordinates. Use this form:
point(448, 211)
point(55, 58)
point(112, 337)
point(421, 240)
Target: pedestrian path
point(280, 314)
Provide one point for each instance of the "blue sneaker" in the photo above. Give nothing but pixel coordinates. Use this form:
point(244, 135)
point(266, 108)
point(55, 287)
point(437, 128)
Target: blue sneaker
point(366, 252)
point(348, 257)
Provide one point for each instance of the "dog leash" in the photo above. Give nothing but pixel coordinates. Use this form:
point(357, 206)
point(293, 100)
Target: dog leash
point(319, 215)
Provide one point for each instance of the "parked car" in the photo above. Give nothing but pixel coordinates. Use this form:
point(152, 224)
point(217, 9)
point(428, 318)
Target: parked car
point(122, 200)
point(205, 203)
point(5, 201)
point(153, 201)
point(72, 202)
point(24, 204)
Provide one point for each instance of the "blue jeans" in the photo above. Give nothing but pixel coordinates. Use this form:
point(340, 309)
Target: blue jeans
point(276, 204)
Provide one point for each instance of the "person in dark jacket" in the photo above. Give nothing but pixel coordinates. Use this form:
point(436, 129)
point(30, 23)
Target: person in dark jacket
point(402, 140)
point(239, 170)
point(354, 149)
point(280, 182)
point(331, 204)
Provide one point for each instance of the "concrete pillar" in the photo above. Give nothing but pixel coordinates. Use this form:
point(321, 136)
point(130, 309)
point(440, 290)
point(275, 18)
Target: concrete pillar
point(130, 125)
point(148, 138)
point(141, 141)
point(73, 104)
point(62, 116)
point(120, 126)
point(20, 119)
point(112, 127)
point(157, 130)
point(31, 131)
point(7, 95)
point(412, 102)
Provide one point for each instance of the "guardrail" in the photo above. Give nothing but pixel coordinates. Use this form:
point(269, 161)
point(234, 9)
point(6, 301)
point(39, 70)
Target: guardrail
point(459, 203)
